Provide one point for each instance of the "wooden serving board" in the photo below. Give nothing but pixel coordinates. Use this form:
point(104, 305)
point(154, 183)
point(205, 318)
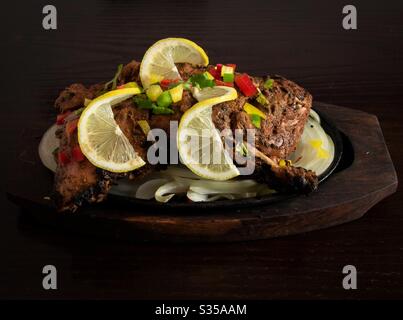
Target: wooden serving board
point(364, 177)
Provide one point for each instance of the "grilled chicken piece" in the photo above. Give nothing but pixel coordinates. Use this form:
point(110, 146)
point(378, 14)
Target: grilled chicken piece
point(286, 115)
point(80, 182)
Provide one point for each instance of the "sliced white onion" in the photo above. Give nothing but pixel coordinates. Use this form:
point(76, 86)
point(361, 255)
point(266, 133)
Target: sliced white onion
point(148, 189)
point(48, 144)
point(314, 115)
point(168, 190)
point(163, 185)
point(305, 155)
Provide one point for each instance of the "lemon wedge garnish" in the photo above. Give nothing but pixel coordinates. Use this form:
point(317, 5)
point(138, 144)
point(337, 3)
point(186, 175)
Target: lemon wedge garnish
point(100, 137)
point(159, 61)
point(199, 143)
point(211, 92)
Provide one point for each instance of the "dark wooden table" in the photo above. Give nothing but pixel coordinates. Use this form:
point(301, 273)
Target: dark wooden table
point(360, 69)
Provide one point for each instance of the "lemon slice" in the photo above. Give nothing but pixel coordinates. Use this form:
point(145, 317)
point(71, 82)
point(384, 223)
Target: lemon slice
point(210, 92)
point(199, 143)
point(159, 61)
point(101, 139)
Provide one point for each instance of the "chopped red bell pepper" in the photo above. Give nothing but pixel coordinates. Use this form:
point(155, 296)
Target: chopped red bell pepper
point(222, 83)
point(218, 68)
point(245, 84)
point(71, 126)
point(214, 72)
point(63, 158)
point(77, 154)
point(232, 65)
point(167, 82)
point(61, 117)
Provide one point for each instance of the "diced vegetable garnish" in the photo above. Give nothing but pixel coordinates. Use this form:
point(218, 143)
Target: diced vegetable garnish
point(153, 92)
point(63, 158)
point(71, 126)
point(268, 84)
point(226, 69)
point(245, 84)
point(187, 85)
point(176, 93)
point(167, 83)
point(222, 83)
point(61, 117)
point(251, 110)
point(228, 77)
point(164, 100)
point(218, 68)
point(77, 154)
point(143, 102)
point(209, 75)
point(215, 73)
point(87, 102)
point(201, 81)
point(232, 65)
point(155, 78)
point(145, 127)
point(261, 99)
point(162, 110)
point(255, 120)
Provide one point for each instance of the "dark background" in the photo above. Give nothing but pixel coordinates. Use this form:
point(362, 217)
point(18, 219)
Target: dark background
point(303, 41)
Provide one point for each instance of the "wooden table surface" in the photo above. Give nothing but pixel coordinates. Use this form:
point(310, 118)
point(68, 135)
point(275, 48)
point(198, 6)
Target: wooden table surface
point(305, 42)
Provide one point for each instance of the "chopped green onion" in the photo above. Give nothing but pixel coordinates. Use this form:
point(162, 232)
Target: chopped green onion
point(255, 120)
point(187, 85)
point(174, 84)
point(142, 102)
point(162, 110)
point(268, 84)
point(228, 77)
point(262, 99)
point(164, 100)
point(201, 81)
